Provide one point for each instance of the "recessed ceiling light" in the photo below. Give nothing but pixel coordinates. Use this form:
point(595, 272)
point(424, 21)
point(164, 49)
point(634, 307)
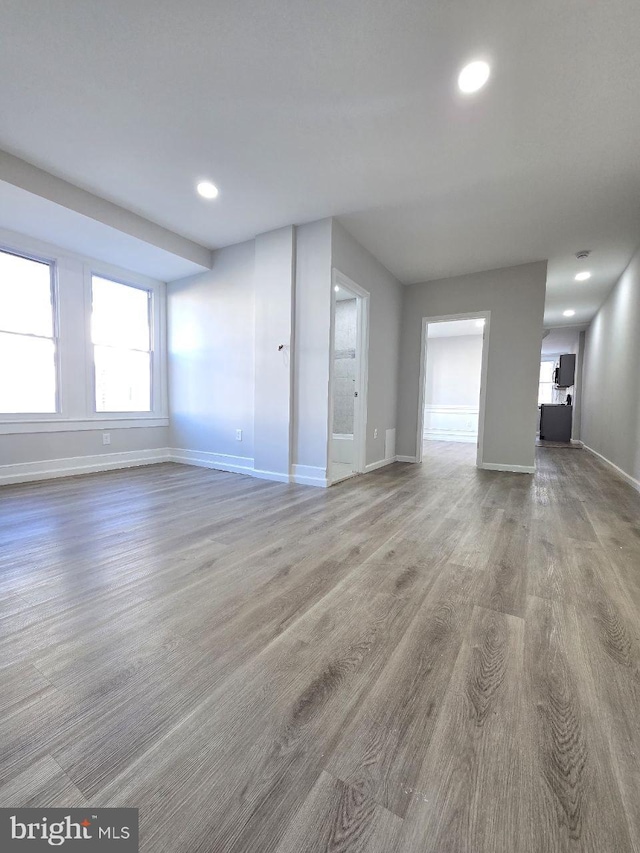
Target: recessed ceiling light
point(336, 288)
point(473, 76)
point(207, 190)
point(479, 323)
point(568, 313)
point(583, 276)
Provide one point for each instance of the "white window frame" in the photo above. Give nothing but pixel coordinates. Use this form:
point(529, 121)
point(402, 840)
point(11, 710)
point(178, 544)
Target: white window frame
point(551, 359)
point(74, 348)
point(156, 322)
point(21, 417)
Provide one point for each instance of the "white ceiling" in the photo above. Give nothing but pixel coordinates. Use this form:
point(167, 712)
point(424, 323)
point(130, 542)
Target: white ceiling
point(561, 339)
point(27, 213)
point(299, 111)
point(453, 329)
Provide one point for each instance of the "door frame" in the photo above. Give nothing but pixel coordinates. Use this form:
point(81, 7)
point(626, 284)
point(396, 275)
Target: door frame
point(339, 279)
point(444, 318)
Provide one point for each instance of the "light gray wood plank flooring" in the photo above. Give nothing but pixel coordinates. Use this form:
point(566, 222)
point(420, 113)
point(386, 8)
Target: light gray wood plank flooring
point(428, 658)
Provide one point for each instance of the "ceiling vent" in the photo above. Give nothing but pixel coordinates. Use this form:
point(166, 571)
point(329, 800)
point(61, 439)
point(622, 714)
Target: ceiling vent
point(583, 254)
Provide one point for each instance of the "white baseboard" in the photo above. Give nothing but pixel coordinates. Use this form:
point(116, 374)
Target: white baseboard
point(373, 466)
point(306, 475)
point(218, 461)
point(25, 472)
point(515, 469)
point(626, 477)
point(443, 435)
point(309, 475)
point(275, 476)
point(225, 462)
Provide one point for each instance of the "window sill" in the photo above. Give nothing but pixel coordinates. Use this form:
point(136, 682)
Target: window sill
point(81, 424)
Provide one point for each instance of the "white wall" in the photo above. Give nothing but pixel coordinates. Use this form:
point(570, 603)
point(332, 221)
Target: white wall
point(611, 376)
point(225, 369)
point(273, 399)
point(385, 317)
point(453, 371)
point(311, 349)
point(211, 356)
point(515, 297)
point(342, 448)
point(225, 372)
point(321, 246)
point(452, 388)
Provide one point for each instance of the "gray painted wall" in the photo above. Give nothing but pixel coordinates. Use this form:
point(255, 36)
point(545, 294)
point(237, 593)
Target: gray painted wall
point(515, 297)
point(385, 318)
point(211, 355)
point(18, 448)
point(611, 375)
point(345, 366)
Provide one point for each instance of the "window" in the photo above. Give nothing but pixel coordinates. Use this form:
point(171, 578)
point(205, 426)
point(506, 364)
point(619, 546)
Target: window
point(545, 387)
point(122, 346)
point(80, 349)
point(28, 344)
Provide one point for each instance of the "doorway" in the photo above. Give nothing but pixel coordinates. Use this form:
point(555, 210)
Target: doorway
point(348, 379)
point(452, 384)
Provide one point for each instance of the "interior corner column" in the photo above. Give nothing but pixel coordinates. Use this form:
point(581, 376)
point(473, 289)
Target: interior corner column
point(274, 305)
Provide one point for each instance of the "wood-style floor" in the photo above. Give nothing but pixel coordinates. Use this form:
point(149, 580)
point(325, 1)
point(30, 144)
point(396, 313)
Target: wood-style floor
point(428, 658)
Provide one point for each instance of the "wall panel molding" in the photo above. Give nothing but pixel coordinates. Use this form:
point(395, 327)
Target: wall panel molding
point(450, 423)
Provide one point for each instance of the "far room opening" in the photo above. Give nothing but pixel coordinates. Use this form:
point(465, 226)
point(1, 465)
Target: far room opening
point(452, 408)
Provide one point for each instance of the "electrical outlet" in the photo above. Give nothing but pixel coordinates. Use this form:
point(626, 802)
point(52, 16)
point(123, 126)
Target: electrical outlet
point(106, 438)
point(375, 433)
point(238, 435)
